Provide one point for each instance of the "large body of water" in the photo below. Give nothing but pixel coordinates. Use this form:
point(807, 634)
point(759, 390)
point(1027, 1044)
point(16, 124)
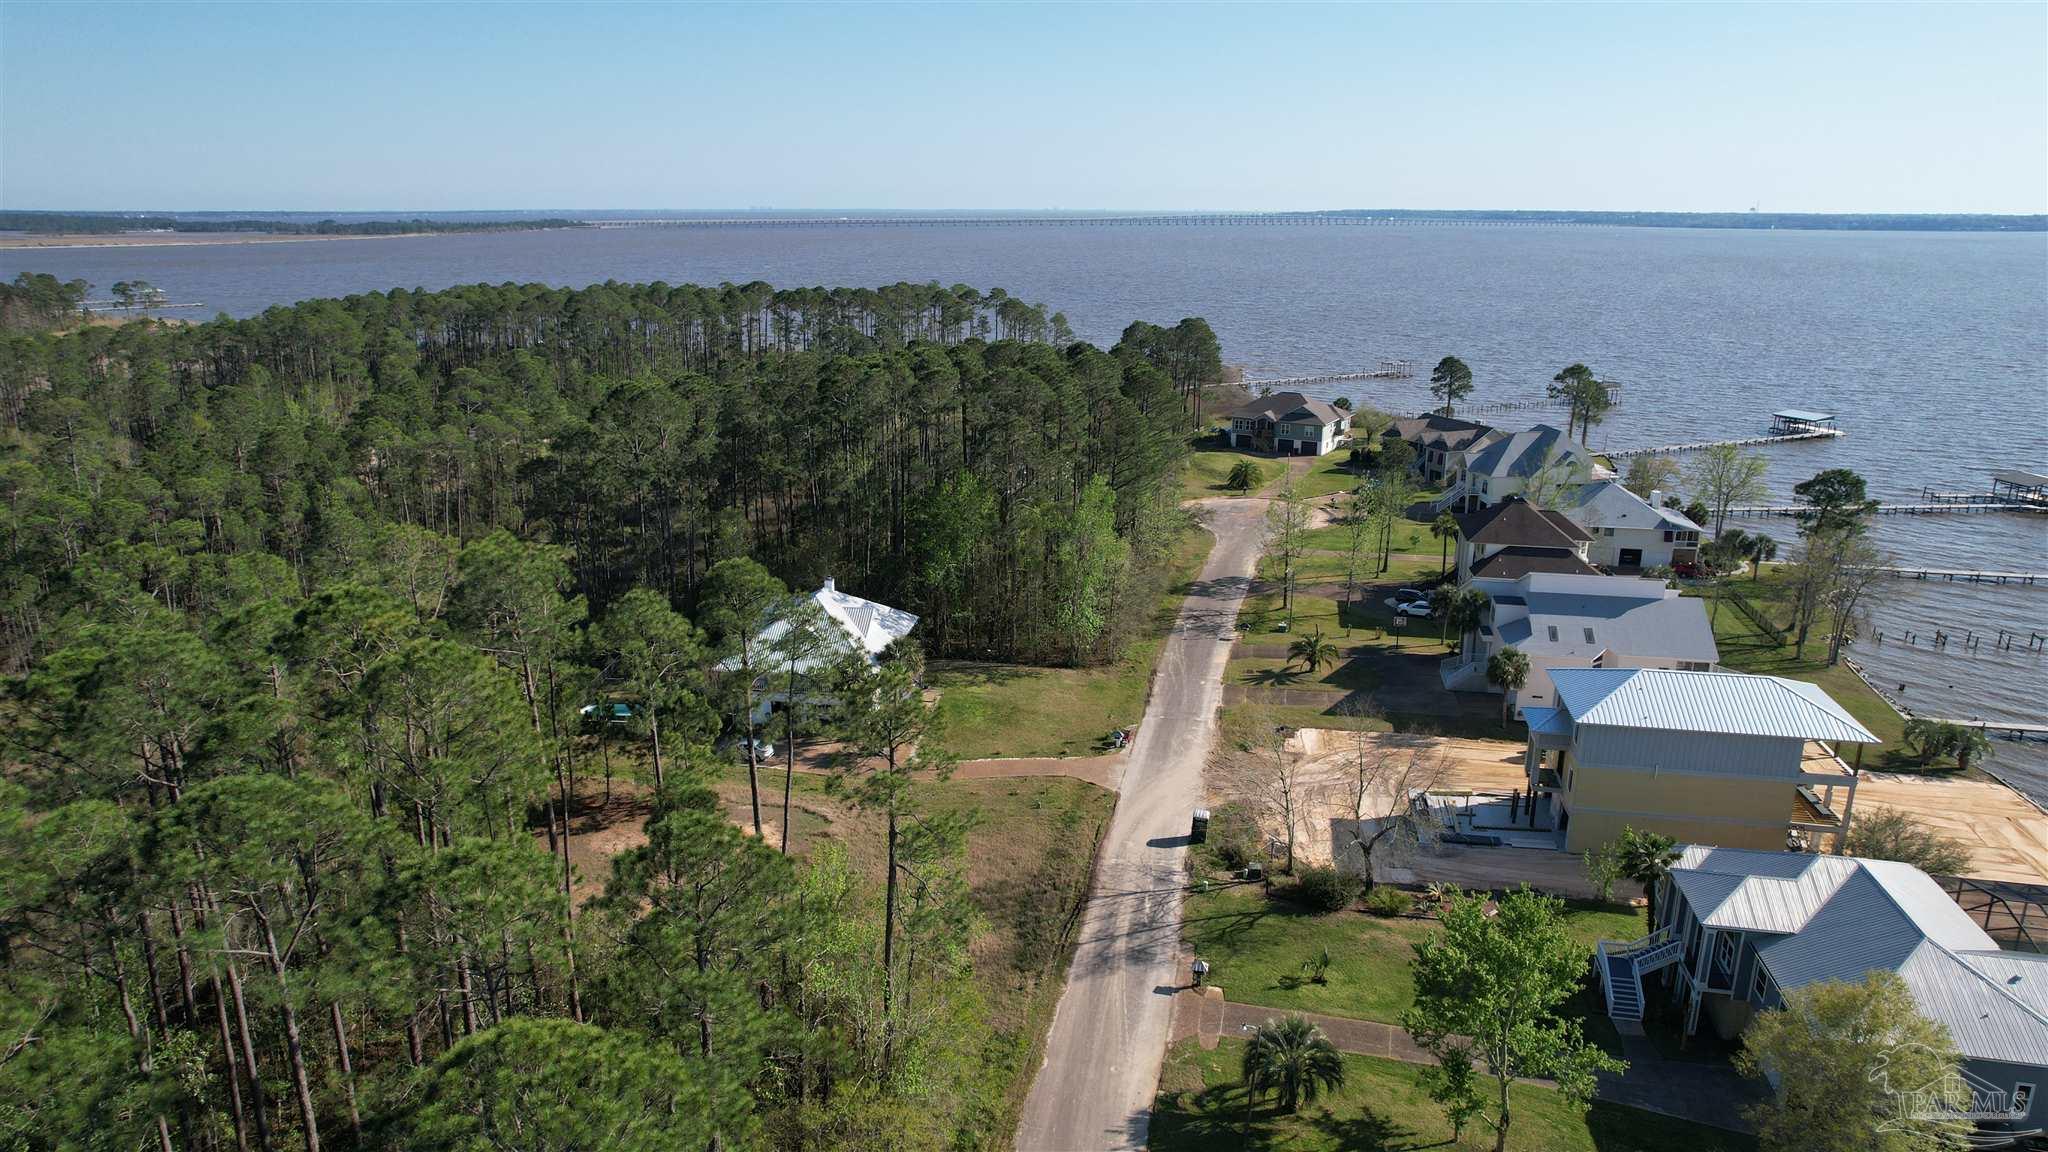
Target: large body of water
point(1932, 348)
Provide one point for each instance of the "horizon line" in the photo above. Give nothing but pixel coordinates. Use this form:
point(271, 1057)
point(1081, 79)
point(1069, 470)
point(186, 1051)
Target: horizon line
point(395, 212)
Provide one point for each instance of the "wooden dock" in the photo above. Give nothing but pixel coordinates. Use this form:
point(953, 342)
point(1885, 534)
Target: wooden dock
point(1753, 511)
point(1386, 371)
point(1703, 445)
point(2006, 729)
point(1905, 572)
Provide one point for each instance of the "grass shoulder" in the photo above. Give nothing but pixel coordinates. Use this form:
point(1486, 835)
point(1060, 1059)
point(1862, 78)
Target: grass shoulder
point(1202, 1107)
point(990, 710)
point(1257, 944)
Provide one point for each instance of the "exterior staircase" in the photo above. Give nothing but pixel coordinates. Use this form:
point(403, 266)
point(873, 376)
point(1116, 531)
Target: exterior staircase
point(1622, 968)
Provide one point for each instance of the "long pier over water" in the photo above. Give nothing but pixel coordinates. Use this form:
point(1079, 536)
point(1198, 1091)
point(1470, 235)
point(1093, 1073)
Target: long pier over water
point(1167, 219)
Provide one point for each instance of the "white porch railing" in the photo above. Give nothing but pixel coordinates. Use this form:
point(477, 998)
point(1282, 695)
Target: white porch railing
point(1622, 966)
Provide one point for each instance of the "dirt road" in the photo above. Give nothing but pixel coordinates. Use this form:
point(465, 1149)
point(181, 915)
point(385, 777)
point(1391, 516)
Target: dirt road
point(1102, 1058)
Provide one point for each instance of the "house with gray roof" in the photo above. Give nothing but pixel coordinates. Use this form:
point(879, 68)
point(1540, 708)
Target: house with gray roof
point(1507, 467)
point(1703, 757)
point(1442, 443)
point(1290, 424)
point(1628, 532)
point(1738, 929)
point(1565, 620)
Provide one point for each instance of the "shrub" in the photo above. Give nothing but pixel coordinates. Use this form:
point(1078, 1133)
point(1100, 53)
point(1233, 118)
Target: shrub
point(1386, 901)
point(1234, 837)
point(1323, 888)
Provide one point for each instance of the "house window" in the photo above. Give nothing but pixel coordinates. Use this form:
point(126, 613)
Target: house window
point(2022, 1100)
point(1607, 531)
point(1669, 536)
point(1694, 666)
point(1553, 633)
point(1589, 635)
point(1760, 990)
point(1724, 954)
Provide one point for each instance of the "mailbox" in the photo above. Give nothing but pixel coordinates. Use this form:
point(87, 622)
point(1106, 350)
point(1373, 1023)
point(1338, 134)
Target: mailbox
point(1198, 828)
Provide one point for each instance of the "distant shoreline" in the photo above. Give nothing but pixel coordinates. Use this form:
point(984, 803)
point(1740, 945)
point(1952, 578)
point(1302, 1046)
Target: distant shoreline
point(29, 240)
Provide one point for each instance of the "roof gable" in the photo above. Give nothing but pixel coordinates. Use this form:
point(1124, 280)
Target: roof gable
point(1726, 703)
point(1840, 917)
point(1292, 407)
point(1606, 504)
point(1526, 453)
point(1516, 521)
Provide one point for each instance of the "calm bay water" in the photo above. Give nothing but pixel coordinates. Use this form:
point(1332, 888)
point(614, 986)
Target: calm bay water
point(1932, 348)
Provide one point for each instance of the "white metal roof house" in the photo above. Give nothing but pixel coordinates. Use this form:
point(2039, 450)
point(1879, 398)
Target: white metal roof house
point(1290, 424)
point(1572, 620)
point(1628, 531)
point(853, 625)
point(1704, 757)
point(1741, 928)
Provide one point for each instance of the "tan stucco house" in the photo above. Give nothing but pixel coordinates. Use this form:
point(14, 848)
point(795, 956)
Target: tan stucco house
point(1717, 758)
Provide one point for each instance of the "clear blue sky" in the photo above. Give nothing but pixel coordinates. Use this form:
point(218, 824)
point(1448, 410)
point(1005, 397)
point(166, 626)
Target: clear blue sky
point(1820, 108)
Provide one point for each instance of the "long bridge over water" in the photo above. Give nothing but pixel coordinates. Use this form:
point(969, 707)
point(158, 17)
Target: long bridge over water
point(1162, 219)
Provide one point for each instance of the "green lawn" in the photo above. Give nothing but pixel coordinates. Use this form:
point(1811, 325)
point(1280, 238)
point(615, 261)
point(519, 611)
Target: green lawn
point(1209, 464)
point(1332, 473)
point(1745, 648)
point(1256, 945)
point(1343, 677)
point(1383, 1106)
point(1320, 567)
point(1367, 622)
point(992, 710)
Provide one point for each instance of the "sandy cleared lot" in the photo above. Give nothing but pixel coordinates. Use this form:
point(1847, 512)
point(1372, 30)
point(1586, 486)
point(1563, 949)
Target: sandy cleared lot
point(2007, 836)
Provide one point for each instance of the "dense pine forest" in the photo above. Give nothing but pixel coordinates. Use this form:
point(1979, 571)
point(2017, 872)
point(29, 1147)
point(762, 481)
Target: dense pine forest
point(300, 614)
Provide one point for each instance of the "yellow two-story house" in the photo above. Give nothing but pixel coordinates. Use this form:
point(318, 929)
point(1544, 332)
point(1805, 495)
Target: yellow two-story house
point(1719, 758)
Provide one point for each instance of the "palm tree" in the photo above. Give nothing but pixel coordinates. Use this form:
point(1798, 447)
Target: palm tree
point(1313, 651)
point(1244, 476)
point(1758, 549)
point(1930, 738)
point(1463, 612)
point(1646, 858)
point(1293, 1058)
point(1969, 743)
point(1509, 668)
point(1445, 529)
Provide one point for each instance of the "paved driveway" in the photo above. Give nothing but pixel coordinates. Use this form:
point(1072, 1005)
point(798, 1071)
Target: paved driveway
point(1102, 1058)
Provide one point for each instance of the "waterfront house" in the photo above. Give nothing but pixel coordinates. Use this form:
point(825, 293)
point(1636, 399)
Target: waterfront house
point(1718, 758)
point(1289, 424)
point(1738, 929)
point(1442, 444)
point(1507, 466)
point(851, 625)
point(1627, 531)
point(1562, 621)
point(1514, 538)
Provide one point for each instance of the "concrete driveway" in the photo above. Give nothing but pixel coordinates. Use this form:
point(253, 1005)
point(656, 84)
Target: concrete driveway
point(1108, 1039)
